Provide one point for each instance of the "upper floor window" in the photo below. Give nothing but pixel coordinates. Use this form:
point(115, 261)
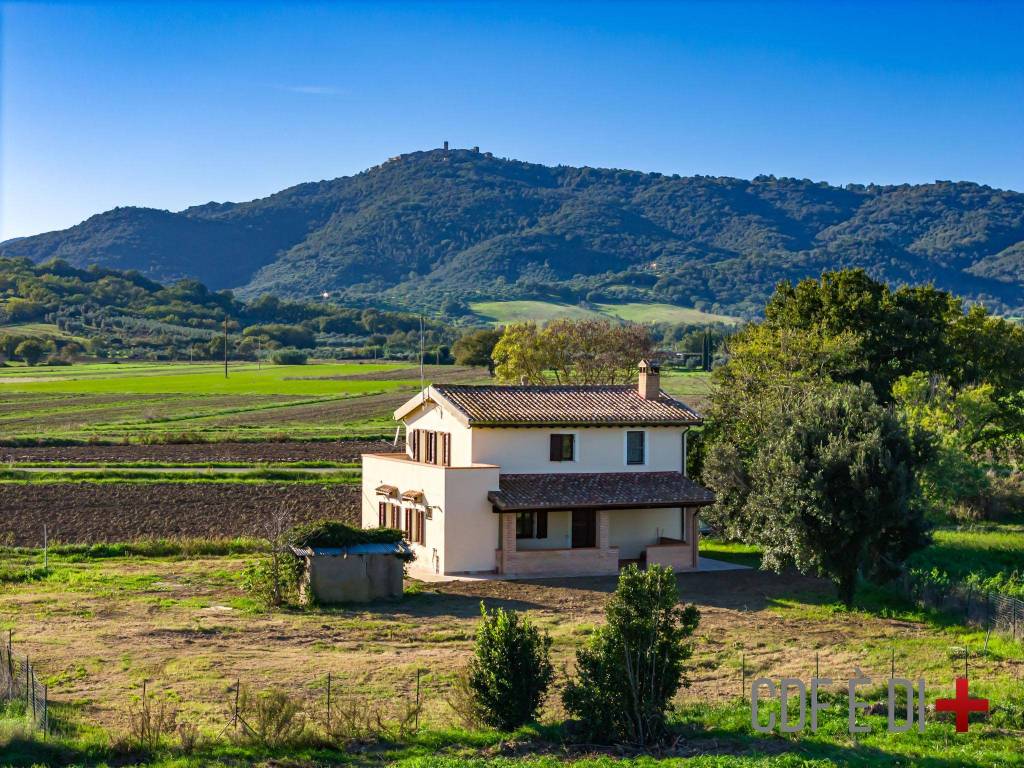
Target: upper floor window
point(431, 447)
point(636, 449)
point(563, 447)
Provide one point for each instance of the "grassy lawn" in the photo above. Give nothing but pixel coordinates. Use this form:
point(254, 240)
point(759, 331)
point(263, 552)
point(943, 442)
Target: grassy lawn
point(502, 312)
point(99, 622)
point(982, 549)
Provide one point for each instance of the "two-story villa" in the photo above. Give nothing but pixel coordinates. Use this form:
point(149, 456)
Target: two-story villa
point(552, 480)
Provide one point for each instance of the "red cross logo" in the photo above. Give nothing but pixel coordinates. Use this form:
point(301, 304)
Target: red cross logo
point(963, 705)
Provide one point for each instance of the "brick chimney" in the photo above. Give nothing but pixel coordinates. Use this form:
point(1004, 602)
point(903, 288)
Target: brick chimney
point(649, 384)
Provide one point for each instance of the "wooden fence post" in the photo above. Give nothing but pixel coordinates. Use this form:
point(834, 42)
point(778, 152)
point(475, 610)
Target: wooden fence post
point(328, 701)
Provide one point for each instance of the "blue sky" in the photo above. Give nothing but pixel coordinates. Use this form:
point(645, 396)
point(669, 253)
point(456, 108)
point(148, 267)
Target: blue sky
point(169, 105)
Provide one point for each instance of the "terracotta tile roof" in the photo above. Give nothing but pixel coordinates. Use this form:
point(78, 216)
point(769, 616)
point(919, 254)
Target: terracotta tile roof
point(564, 406)
point(603, 490)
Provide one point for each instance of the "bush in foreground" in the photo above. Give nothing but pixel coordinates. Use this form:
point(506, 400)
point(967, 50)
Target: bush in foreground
point(510, 671)
point(628, 673)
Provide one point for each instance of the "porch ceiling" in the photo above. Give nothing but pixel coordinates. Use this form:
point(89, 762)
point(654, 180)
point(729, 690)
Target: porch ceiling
point(605, 490)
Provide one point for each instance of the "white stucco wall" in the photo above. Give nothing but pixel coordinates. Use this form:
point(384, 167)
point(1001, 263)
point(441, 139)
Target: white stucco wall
point(631, 530)
point(598, 449)
point(463, 534)
point(471, 527)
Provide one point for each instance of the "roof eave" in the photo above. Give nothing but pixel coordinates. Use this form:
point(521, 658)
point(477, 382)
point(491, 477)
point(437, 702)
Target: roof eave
point(430, 395)
point(569, 423)
point(498, 507)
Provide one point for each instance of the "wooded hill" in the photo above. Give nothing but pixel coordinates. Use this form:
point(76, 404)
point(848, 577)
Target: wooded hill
point(439, 227)
point(108, 312)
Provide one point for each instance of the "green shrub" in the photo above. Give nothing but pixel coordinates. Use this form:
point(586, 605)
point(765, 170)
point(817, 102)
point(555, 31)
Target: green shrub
point(631, 668)
point(334, 533)
point(272, 718)
point(511, 669)
point(289, 357)
point(273, 579)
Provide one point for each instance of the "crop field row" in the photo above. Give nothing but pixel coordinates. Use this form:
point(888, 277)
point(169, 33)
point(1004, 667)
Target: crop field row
point(126, 511)
point(181, 454)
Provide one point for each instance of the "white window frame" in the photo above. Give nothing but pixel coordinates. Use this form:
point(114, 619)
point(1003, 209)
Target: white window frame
point(625, 448)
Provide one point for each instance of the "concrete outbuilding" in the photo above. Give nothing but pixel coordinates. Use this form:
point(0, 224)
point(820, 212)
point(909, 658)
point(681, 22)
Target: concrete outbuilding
point(358, 573)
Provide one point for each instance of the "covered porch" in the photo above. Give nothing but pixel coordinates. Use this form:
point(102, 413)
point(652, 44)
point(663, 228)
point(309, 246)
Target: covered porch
point(586, 524)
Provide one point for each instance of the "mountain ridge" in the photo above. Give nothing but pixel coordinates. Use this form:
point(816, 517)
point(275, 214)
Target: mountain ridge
point(450, 226)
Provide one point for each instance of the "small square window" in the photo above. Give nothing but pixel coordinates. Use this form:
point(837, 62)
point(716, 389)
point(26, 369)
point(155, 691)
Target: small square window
point(563, 447)
point(635, 448)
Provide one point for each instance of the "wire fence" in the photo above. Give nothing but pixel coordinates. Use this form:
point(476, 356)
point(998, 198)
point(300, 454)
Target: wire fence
point(19, 683)
point(989, 610)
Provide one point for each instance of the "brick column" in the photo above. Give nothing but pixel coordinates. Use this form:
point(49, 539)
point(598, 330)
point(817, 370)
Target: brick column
point(508, 540)
point(602, 529)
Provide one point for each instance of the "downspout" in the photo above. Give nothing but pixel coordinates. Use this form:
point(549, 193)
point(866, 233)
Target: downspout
point(685, 451)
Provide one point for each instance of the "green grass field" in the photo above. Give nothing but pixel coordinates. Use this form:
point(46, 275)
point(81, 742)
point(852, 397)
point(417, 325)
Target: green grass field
point(179, 402)
point(985, 550)
point(502, 312)
point(201, 379)
point(37, 330)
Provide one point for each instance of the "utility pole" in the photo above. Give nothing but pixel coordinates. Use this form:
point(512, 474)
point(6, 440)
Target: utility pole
point(225, 346)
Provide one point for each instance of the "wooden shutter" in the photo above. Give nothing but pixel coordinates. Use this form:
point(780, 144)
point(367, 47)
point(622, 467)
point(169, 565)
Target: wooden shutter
point(415, 445)
point(382, 514)
point(446, 449)
point(408, 525)
point(421, 528)
point(556, 448)
point(542, 524)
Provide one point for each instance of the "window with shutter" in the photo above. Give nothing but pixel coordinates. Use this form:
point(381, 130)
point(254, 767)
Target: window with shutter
point(432, 448)
point(563, 447)
point(407, 528)
point(421, 528)
point(446, 449)
point(415, 445)
point(542, 524)
point(635, 448)
point(382, 514)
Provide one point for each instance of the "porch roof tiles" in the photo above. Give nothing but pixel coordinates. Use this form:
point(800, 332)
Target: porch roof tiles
point(606, 490)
